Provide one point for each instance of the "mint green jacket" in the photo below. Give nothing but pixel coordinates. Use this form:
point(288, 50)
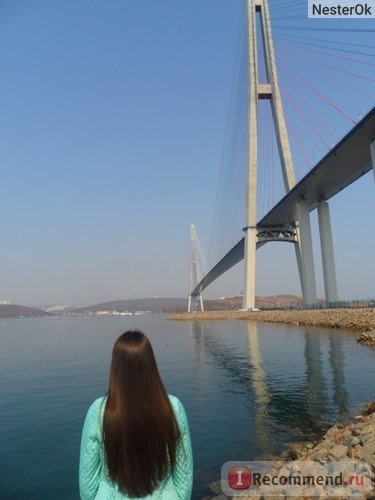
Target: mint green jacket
point(94, 481)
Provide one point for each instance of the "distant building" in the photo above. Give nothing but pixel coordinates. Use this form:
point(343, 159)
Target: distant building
point(103, 313)
point(112, 313)
point(4, 302)
point(57, 308)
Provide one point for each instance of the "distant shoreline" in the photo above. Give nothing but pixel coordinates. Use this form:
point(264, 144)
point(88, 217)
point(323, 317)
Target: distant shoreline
point(348, 319)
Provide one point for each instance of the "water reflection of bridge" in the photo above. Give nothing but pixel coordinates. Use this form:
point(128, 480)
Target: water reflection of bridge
point(303, 404)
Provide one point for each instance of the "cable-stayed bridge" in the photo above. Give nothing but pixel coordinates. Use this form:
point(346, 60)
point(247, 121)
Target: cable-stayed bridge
point(348, 160)
point(288, 220)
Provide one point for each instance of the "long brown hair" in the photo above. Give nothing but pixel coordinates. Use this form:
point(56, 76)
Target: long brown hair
point(140, 430)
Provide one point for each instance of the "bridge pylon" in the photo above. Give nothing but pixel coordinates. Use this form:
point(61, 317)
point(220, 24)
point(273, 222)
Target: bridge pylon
point(195, 273)
point(268, 91)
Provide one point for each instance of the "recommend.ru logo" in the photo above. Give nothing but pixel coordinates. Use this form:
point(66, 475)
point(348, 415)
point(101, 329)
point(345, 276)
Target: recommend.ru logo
point(296, 478)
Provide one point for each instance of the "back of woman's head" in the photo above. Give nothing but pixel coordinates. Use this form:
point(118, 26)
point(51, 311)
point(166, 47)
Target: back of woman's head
point(139, 427)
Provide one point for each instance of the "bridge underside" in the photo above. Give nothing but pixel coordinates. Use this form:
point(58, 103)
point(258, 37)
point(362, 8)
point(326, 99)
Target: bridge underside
point(344, 164)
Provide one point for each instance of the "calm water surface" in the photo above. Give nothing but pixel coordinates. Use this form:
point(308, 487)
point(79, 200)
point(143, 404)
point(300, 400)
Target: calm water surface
point(249, 390)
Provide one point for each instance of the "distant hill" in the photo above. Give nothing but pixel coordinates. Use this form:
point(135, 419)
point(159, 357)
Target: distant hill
point(169, 305)
point(155, 305)
point(278, 301)
point(267, 302)
point(17, 311)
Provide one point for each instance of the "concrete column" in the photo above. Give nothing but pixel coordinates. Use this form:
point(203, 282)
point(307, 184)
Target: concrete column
point(329, 271)
point(297, 248)
point(194, 300)
point(308, 271)
point(271, 88)
point(372, 147)
point(249, 285)
point(251, 188)
point(201, 302)
point(276, 102)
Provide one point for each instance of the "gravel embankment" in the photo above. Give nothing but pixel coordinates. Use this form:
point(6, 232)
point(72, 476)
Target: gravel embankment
point(352, 319)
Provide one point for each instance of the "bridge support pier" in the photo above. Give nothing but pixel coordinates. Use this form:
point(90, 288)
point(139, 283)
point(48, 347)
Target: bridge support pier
point(250, 249)
point(297, 248)
point(372, 147)
point(328, 260)
point(307, 258)
point(195, 273)
point(194, 300)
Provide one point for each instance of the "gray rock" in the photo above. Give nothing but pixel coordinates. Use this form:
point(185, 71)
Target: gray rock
point(331, 432)
point(369, 458)
point(352, 441)
point(359, 453)
point(369, 408)
point(367, 438)
point(369, 447)
point(338, 451)
point(356, 432)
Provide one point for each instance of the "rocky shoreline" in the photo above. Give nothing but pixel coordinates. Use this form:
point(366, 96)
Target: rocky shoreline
point(350, 319)
point(367, 338)
point(354, 441)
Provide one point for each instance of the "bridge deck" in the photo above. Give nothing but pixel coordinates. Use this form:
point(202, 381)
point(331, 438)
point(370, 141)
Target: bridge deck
point(344, 164)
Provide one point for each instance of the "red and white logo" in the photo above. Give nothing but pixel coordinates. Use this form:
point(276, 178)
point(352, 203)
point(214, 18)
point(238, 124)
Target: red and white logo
point(239, 478)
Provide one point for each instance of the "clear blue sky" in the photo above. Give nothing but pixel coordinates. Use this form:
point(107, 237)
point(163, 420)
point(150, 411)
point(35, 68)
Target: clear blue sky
point(111, 133)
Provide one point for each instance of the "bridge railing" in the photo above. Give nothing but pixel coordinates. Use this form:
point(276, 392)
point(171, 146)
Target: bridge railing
point(341, 304)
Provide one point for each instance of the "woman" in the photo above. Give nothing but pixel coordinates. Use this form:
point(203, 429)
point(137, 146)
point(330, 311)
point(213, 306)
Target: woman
point(135, 442)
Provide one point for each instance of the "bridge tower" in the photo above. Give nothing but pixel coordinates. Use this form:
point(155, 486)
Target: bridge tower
point(258, 9)
point(195, 272)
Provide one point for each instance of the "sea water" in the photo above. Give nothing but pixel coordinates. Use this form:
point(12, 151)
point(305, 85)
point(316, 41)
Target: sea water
point(249, 389)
